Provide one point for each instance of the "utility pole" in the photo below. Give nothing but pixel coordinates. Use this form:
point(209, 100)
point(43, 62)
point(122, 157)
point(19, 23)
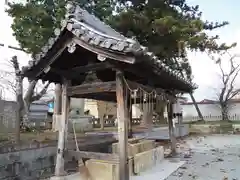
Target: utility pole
point(18, 95)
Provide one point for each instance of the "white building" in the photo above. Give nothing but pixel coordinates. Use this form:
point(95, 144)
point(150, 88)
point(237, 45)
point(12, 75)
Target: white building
point(210, 110)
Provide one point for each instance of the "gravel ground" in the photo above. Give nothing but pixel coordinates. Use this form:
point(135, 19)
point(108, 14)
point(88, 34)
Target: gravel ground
point(215, 157)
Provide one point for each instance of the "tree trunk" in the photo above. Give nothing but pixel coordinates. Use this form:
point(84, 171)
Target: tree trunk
point(19, 94)
point(57, 106)
point(30, 97)
point(224, 112)
point(28, 100)
point(196, 106)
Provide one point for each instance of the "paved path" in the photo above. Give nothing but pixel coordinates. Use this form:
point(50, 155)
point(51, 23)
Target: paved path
point(215, 157)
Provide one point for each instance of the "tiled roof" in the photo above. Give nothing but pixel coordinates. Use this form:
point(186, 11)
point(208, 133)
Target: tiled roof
point(91, 30)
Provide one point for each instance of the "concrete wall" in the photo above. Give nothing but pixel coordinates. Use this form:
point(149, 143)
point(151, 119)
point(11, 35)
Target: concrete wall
point(7, 116)
point(37, 161)
point(99, 108)
point(28, 164)
point(211, 112)
point(91, 106)
point(78, 103)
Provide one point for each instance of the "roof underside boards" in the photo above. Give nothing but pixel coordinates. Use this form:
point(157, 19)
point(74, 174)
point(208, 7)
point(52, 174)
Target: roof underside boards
point(84, 39)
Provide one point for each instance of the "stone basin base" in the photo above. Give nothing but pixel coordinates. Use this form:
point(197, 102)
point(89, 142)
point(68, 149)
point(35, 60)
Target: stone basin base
point(108, 170)
point(135, 146)
point(105, 170)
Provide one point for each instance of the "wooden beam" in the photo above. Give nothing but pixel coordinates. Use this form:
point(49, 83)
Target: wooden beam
point(130, 130)
point(92, 155)
point(109, 86)
point(96, 87)
point(171, 128)
point(54, 57)
point(122, 126)
point(76, 71)
point(92, 67)
point(105, 90)
point(135, 85)
point(108, 54)
point(110, 97)
point(59, 168)
point(139, 69)
point(57, 106)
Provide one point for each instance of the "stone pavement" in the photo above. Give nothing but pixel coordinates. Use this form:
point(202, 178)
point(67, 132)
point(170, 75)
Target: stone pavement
point(215, 157)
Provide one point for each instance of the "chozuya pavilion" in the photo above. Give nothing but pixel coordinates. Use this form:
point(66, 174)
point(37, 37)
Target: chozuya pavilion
point(91, 60)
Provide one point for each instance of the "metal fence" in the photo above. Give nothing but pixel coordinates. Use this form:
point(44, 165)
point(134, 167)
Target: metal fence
point(234, 117)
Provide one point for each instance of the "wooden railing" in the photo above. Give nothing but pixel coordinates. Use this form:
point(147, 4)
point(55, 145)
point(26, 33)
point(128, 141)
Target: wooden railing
point(113, 122)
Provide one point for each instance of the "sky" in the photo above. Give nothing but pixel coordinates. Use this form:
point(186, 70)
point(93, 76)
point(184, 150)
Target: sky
point(205, 72)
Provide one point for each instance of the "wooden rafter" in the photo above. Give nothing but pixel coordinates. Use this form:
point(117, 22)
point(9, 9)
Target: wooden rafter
point(76, 71)
point(55, 56)
point(92, 67)
point(104, 53)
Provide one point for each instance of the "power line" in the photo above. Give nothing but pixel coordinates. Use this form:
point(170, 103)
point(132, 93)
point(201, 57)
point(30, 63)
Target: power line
point(12, 47)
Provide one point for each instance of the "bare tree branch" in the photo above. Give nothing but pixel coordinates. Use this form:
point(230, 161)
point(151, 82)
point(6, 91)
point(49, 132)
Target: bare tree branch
point(30, 90)
point(228, 78)
point(41, 93)
point(16, 65)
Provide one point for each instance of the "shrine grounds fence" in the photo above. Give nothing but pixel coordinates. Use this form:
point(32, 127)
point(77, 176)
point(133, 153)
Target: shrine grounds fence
point(210, 118)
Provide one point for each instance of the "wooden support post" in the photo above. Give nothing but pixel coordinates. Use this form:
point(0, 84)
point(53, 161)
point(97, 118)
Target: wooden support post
point(59, 169)
point(129, 113)
point(122, 126)
point(57, 106)
point(170, 126)
point(180, 124)
point(102, 122)
point(130, 135)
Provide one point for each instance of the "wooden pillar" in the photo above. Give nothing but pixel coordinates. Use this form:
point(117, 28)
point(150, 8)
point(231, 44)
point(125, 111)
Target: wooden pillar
point(122, 117)
point(170, 126)
point(57, 106)
point(59, 169)
point(102, 122)
point(129, 113)
point(180, 124)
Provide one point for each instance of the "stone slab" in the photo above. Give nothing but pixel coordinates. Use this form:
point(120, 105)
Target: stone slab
point(159, 172)
point(146, 160)
point(135, 148)
point(105, 170)
point(75, 176)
